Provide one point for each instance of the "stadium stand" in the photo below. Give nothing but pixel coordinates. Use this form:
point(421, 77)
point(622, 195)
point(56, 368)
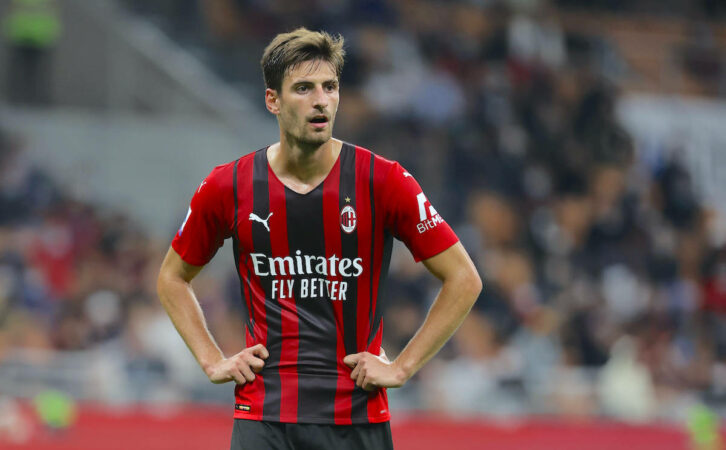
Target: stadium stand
point(604, 264)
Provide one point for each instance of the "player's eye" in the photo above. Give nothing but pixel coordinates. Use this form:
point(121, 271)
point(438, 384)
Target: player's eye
point(301, 89)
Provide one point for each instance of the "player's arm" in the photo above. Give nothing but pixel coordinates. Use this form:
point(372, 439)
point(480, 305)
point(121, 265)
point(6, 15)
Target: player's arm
point(177, 296)
point(460, 289)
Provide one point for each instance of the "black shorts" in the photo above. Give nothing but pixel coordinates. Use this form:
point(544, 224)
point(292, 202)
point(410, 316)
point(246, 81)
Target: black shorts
point(256, 435)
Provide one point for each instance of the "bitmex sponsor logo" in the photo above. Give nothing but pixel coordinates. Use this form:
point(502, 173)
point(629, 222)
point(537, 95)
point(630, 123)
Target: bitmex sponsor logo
point(306, 265)
point(429, 224)
point(429, 218)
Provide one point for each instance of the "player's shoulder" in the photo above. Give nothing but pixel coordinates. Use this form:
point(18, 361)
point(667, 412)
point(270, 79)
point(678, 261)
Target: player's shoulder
point(222, 175)
point(381, 163)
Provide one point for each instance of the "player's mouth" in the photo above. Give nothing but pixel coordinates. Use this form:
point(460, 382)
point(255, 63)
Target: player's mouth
point(319, 122)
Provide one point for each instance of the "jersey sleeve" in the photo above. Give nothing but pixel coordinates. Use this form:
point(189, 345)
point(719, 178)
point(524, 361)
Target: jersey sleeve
point(206, 225)
point(412, 218)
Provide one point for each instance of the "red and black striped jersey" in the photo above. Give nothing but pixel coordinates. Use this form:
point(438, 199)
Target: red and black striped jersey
point(312, 270)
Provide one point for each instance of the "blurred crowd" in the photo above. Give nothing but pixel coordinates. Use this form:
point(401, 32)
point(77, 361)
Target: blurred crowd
point(604, 276)
point(81, 278)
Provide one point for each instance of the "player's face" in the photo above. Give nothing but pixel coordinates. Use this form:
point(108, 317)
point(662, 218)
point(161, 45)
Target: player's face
point(307, 103)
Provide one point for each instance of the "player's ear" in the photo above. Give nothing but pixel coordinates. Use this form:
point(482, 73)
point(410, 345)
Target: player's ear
point(272, 101)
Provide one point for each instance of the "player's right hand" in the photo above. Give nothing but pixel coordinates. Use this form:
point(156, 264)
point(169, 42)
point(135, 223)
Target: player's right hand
point(240, 368)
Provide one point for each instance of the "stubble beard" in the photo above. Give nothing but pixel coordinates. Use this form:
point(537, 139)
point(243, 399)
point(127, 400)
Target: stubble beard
point(310, 141)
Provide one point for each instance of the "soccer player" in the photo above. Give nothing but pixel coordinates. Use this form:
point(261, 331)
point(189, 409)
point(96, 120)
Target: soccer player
point(312, 221)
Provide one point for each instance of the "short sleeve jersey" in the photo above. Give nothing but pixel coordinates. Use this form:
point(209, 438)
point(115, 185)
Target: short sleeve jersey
point(312, 270)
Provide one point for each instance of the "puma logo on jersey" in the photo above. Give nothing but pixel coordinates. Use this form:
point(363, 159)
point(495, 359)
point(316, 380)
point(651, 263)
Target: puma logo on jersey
point(257, 218)
point(406, 174)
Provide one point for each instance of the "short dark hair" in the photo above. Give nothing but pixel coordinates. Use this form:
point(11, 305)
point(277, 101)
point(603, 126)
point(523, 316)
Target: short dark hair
point(287, 50)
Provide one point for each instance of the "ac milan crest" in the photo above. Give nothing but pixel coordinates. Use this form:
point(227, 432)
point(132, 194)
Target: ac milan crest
point(348, 220)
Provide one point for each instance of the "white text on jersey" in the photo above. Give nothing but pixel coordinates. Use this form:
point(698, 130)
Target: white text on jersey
point(305, 265)
point(426, 223)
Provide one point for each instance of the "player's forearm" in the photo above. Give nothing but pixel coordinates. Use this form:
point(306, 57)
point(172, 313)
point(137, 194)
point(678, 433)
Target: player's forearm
point(451, 306)
point(183, 309)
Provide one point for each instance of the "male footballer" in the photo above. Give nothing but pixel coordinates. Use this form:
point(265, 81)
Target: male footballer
point(312, 221)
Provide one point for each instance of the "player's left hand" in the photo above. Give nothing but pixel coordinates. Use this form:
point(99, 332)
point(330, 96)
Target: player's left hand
point(372, 372)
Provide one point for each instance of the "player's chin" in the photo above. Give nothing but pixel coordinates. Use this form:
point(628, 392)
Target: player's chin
point(319, 137)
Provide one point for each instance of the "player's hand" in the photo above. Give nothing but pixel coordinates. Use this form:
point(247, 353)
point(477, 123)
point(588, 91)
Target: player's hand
point(240, 368)
point(382, 354)
point(372, 372)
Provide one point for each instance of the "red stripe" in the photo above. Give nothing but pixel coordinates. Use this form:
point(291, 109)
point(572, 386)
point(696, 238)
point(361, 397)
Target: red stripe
point(331, 225)
point(376, 403)
point(289, 319)
point(363, 212)
point(377, 400)
point(243, 229)
point(249, 338)
point(378, 175)
point(250, 393)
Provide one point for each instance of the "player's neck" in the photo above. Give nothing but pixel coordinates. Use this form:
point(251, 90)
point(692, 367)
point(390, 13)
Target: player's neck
point(302, 167)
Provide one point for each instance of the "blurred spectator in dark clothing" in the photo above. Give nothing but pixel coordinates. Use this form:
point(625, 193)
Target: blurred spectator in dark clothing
point(675, 196)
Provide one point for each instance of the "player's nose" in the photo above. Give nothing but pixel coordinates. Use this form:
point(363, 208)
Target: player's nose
point(320, 98)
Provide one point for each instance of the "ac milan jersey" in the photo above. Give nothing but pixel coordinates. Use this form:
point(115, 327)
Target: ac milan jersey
point(312, 269)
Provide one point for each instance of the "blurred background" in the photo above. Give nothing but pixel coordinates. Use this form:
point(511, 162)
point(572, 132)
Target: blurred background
point(577, 147)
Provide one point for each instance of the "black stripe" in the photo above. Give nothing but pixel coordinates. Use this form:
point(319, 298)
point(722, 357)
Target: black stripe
point(235, 246)
point(317, 352)
point(349, 245)
point(262, 244)
point(385, 262)
point(374, 330)
point(349, 249)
